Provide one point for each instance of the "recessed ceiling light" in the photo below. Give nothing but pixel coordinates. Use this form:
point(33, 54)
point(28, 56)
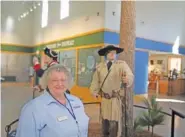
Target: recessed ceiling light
point(34, 7)
point(31, 9)
point(24, 15)
point(38, 4)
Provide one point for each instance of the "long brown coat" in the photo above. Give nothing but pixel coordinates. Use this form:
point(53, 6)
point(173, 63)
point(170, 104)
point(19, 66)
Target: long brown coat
point(111, 108)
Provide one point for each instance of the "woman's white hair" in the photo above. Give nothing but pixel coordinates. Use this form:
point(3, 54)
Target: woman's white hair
point(60, 68)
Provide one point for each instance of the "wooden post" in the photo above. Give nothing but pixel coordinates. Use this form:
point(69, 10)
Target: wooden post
point(127, 41)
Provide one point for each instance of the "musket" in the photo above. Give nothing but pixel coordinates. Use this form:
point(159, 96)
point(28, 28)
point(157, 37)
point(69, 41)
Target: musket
point(124, 85)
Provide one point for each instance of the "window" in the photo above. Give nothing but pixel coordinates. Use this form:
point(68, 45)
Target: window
point(64, 9)
point(175, 63)
point(44, 13)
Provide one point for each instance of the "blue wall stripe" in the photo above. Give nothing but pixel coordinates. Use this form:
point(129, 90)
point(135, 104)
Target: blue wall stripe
point(152, 45)
point(111, 37)
point(141, 72)
point(114, 38)
point(182, 50)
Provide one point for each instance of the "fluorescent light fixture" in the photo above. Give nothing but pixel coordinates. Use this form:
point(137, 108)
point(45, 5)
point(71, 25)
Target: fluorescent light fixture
point(44, 21)
point(9, 24)
point(64, 9)
point(24, 14)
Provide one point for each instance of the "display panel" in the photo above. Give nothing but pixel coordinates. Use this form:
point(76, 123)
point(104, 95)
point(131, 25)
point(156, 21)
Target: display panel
point(87, 59)
point(68, 59)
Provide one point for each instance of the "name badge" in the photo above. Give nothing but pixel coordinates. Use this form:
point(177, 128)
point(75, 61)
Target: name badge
point(76, 106)
point(62, 118)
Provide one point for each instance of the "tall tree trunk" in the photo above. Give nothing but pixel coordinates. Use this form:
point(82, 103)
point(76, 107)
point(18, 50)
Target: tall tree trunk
point(127, 41)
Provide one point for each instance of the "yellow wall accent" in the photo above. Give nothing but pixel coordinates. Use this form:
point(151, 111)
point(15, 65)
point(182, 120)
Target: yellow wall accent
point(81, 47)
point(84, 94)
point(17, 45)
point(15, 84)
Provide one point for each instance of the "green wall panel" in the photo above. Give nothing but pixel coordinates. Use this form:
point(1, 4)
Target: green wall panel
point(16, 48)
point(95, 38)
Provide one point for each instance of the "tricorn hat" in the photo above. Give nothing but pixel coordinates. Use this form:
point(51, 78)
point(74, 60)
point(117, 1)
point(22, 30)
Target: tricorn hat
point(105, 50)
point(50, 53)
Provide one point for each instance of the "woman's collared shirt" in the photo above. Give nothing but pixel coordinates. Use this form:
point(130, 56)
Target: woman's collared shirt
point(46, 117)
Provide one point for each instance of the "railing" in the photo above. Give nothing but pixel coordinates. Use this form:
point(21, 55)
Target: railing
point(174, 113)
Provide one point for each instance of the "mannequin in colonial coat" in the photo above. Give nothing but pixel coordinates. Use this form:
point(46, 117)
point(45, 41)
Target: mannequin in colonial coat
point(111, 91)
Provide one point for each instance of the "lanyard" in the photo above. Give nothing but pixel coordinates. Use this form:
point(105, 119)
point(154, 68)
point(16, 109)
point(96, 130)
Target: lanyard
point(71, 112)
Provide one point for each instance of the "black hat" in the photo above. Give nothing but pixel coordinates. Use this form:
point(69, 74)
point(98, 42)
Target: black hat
point(105, 50)
point(50, 53)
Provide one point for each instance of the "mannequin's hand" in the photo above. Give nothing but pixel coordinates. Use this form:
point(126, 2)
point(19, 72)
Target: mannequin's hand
point(95, 95)
point(125, 79)
point(36, 88)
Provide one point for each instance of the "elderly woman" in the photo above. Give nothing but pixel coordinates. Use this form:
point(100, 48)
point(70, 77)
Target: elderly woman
point(55, 113)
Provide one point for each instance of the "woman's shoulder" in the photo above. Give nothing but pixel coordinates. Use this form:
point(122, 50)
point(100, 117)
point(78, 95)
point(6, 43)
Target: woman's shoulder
point(34, 103)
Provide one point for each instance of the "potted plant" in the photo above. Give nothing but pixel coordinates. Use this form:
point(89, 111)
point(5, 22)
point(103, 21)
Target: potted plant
point(152, 117)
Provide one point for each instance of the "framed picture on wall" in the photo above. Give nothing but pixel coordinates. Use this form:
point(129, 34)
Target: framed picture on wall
point(68, 59)
point(159, 62)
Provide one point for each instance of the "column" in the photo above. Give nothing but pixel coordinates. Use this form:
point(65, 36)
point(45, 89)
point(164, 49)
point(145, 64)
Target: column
point(127, 41)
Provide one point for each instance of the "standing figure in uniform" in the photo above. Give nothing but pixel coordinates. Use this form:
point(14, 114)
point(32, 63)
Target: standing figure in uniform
point(50, 58)
point(107, 81)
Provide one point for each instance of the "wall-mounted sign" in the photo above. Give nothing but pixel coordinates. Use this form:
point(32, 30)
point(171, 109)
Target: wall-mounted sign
point(66, 43)
point(52, 46)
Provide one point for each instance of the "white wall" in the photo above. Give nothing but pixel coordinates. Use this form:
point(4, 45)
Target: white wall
point(160, 21)
point(112, 21)
point(14, 31)
point(83, 18)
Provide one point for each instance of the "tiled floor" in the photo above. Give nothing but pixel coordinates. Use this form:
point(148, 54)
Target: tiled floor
point(13, 99)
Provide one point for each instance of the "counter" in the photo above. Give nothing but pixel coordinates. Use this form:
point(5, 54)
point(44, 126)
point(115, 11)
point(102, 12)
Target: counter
point(175, 87)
